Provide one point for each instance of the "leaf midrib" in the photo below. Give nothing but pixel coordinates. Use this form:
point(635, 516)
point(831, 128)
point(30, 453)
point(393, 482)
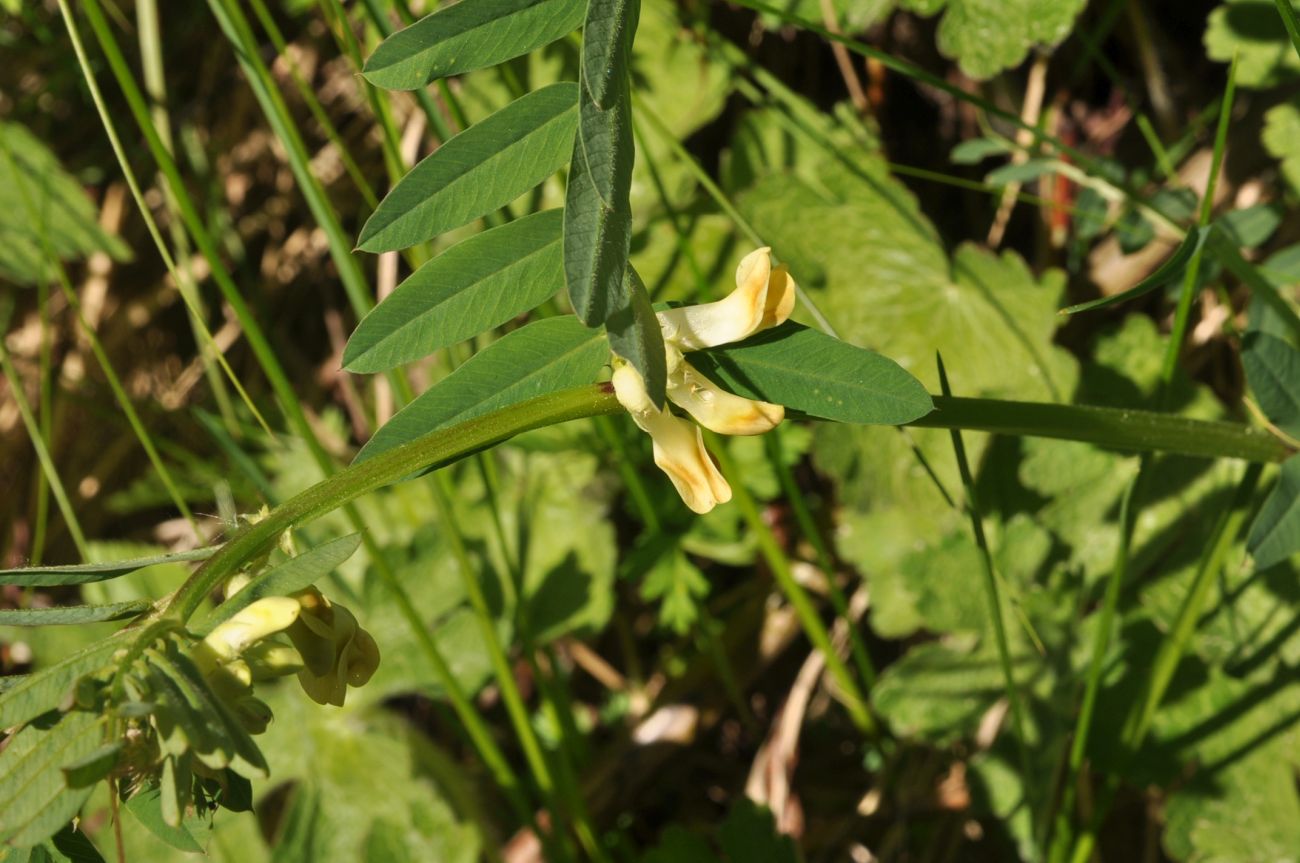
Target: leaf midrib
point(466, 170)
point(424, 315)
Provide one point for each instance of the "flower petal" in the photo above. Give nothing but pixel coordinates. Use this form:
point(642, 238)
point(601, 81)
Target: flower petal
point(678, 445)
point(718, 410)
point(741, 313)
point(264, 617)
point(779, 302)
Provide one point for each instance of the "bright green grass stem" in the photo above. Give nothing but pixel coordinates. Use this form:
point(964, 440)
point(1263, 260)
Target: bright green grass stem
point(1124, 429)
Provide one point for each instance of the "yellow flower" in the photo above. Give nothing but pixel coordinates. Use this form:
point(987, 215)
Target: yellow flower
point(763, 298)
point(220, 656)
point(336, 652)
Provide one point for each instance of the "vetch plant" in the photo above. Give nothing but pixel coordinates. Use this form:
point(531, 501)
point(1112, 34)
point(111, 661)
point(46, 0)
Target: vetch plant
point(163, 712)
point(763, 298)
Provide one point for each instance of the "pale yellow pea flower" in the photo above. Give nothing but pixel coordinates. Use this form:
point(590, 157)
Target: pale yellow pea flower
point(764, 297)
point(335, 650)
point(220, 655)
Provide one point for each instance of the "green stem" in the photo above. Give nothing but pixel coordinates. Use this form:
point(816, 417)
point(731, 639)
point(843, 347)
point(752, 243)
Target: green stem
point(1063, 825)
point(43, 454)
point(436, 449)
point(167, 166)
point(1120, 428)
point(1287, 11)
point(1175, 643)
point(854, 699)
point(994, 602)
point(1128, 429)
point(808, 527)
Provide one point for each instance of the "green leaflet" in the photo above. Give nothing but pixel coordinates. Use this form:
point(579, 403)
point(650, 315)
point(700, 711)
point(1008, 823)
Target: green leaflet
point(221, 738)
point(1273, 370)
point(94, 766)
point(83, 573)
point(467, 36)
point(1163, 275)
point(546, 356)
point(42, 691)
point(71, 226)
point(68, 614)
point(818, 375)
point(34, 797)
point(635, 336)
point(480, 170)
point(606, 40)
point(1021, 173)
point(474, 286)
point(1253, 31)
point(293, 575)
point(597, 213)
point(986, 37)
point(147, 809)
point(1275, 535)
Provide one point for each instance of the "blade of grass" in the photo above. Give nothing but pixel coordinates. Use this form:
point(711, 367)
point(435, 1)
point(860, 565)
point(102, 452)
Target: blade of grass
point(155, 84)
point(808, 528)
point(1173, 647)
point(1061, 824)
point(138, 195)
point(1173, 350)
point(308, 96)
point(443, 496)
point(237, 30)
point(156, 147)
point(1188, 293)
point(994, 603)
point(810, 621)
point(45, 417)
point(1287, 11)
point(97, 347)
point(336, 18)
point(48, 469)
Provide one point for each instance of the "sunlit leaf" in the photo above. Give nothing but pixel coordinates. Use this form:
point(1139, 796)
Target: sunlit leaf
point(145, 807)
point(94, 766)
point(818, 375)
point(475, 285)
point(35, 800)
point(467, 36)
point(480, 170)
point(70, 614)
point(1275, 534)
point(597, 213)
point(1273, 371)
point(543, 357)
point(66, 223)
point(41, 691)
point(83, 573)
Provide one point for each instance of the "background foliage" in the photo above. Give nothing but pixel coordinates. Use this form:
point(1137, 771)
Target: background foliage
point(646, 675)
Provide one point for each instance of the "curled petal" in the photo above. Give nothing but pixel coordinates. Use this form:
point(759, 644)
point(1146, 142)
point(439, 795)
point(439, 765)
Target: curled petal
point(779, 301)
point(678, 446)
point(744, 311)
point(260, 619)
point(336, 652)
point(271, 659)
point(718, 410)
